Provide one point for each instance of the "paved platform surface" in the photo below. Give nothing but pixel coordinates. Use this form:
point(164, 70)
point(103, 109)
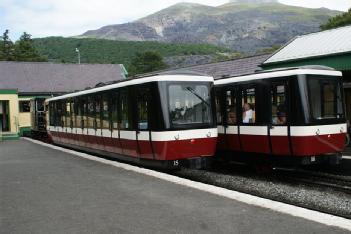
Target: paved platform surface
point(43, 190)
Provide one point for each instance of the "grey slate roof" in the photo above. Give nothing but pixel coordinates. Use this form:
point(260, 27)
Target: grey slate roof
point(32, 77)
point(235, 67)
point(334, 41)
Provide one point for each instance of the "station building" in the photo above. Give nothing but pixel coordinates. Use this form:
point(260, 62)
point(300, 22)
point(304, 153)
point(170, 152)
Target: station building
point(330, 48)
point(20, 82)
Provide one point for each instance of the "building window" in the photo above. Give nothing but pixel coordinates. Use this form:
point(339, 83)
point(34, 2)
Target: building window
point(24, 106)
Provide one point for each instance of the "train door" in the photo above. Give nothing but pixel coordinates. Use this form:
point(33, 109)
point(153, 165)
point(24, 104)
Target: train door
point(253, 130)
point(231, 122)
point(143, 122)
point(127, 133)
point(278, 129)
point(220, 107)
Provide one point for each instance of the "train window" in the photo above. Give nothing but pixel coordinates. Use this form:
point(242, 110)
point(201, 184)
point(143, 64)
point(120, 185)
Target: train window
point(79, 113)
point(24, 106)
point(142, 105)
point(105, 112)
point(124, 110)
point(74, 112)
point(90, 112)
point(84, 106)
point(52, 113)
point(249, 100)
point(114, 110)
point(325, 98)
point(218, 107)
point(98, 111)
point(231, 107)
point(63, 114)
point(67, 123)
point(189, 104)
point(279, 109)
point(59, 111)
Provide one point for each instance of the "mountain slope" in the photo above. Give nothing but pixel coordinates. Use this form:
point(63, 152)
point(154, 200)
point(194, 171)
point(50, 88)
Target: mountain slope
point(59, 49)
point(242, 25)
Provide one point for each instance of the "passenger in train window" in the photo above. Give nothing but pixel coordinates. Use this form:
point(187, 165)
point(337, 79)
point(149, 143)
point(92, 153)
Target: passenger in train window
point(281, 115)
point(247, 113)
point(281, 118)
point(231, 116)
point(274, 114)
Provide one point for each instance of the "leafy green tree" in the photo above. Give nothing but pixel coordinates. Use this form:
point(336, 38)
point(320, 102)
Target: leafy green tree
point(338, 21)
point(148, 61)
point(25, 50)
point(6, 47)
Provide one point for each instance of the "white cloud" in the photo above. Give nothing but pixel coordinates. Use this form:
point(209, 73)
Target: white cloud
point(73, 17)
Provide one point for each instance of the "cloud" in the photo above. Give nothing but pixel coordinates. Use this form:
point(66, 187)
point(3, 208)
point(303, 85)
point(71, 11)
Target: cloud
point(73, 17)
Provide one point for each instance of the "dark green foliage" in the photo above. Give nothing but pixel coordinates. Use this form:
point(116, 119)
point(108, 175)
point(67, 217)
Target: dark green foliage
point(6, 47)
point(22, 50)
point(60, 49)
point(148, 61)
point(25, 50)
point(338, 21)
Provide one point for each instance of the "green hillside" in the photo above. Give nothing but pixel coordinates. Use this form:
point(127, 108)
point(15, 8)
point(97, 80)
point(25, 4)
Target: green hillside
point(59, 49)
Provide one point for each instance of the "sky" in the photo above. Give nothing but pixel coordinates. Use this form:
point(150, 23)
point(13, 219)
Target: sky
point(43, 18)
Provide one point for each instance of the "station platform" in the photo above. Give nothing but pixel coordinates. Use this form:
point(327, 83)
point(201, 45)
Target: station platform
point(44, 190)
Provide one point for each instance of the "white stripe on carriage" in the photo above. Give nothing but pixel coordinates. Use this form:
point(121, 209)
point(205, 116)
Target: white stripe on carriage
point(232, 130)
point(283, 130)
point(156, 136)
point(318, 130)
point(144, 136)
point(254, 130)
point(220, 129)
point(184, 134)
point(279, 131)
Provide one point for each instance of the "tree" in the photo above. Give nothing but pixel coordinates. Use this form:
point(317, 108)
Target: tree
point(338, 21)
point(25, 50)
point(7, 47)
point(145, 62)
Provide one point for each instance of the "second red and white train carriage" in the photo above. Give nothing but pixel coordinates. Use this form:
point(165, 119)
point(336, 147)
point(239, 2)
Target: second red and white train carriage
point(293, 115)
point(162, 120)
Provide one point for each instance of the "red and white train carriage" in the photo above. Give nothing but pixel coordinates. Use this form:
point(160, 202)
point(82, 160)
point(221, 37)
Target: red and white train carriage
point(161, 120)
point(293, 115)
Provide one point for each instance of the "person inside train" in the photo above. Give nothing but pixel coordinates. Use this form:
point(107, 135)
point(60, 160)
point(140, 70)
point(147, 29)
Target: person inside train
point(231, 116)
point(247, 113)
point(281, 120)
point(280, 115)
point(274, 114)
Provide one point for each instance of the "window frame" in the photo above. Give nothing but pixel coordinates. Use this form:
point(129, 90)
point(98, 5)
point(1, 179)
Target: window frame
point(20, 107)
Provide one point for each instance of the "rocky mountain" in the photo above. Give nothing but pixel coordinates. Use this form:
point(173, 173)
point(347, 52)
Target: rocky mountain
point(246, 26)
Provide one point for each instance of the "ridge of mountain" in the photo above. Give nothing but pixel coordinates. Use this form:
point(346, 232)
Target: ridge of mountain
point(246, 26)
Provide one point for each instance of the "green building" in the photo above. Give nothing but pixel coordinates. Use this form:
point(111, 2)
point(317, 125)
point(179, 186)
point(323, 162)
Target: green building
point(20, 82)
point(330, 48)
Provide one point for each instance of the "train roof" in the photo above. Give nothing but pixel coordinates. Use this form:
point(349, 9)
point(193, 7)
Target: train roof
point(165, 76)
point(281, 72)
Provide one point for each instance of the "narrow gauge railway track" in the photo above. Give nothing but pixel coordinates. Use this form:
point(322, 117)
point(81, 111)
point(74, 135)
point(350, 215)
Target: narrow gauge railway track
point(329, 181)
point(329, 195)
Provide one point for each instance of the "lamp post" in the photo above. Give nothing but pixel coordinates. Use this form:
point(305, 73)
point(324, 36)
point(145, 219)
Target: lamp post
point(77, 50)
